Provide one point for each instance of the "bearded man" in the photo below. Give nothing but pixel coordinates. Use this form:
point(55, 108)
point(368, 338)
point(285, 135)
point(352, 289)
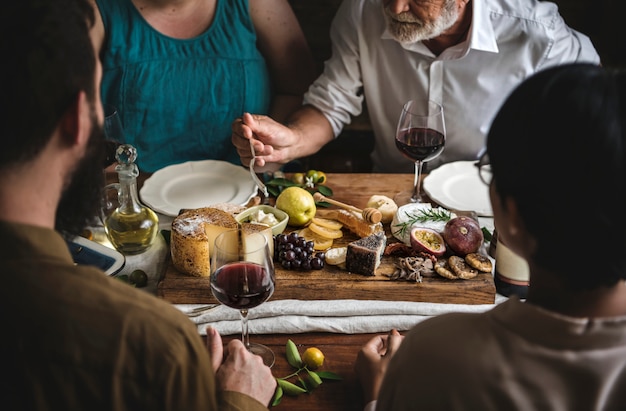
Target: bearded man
point(466, 55)
point(74, 337)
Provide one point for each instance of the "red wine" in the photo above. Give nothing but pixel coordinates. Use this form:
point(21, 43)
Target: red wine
point(228, 284)
point(420, 143)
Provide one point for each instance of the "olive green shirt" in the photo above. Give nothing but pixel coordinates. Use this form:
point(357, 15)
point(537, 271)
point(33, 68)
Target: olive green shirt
point(76, 339)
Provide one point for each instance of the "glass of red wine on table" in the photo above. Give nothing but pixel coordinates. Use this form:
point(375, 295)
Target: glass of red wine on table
point(113, 133)
point(420, 137)
point(242, 277)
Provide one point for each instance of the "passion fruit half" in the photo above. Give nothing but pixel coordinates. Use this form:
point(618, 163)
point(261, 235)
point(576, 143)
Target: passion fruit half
point(428, 241)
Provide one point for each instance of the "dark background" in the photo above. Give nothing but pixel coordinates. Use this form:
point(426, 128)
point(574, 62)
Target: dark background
point(598, 19)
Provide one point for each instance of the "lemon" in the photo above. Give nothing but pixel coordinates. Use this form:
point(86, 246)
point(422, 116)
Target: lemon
point(325, 231)
point(321, 178)
point(298, 178)
point(327, 222)
point(313, 357)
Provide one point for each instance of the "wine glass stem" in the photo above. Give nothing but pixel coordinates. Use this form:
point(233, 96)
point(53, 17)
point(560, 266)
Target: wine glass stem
point(417, 183)
point(245, 336)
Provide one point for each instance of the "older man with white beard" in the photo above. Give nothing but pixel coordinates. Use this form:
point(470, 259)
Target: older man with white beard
point(464, 54)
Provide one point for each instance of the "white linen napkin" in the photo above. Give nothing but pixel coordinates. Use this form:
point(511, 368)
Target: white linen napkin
point(336, 316)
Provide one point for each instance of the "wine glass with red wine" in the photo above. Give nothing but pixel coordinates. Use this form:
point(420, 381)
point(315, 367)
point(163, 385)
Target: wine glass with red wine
point(242, 277)
point(420, 137)
point(113, 133)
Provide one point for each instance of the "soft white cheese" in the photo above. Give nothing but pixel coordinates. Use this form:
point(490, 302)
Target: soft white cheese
point(405, 213)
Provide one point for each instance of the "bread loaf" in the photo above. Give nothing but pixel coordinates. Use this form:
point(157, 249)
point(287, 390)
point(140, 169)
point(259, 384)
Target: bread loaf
point(193, 235)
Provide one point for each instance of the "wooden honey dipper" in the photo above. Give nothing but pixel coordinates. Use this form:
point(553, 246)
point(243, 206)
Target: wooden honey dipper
point(371, 215)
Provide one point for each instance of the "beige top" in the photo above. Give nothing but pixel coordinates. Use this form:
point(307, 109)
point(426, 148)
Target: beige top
point(515, 357)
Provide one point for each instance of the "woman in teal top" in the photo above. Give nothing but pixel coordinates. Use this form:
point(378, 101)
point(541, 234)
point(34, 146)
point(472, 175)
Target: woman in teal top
point(179, 73)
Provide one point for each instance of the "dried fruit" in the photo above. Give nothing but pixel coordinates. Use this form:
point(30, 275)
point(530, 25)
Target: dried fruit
point(325, 232)
point(319, 242)
point(463, 235)
point(427, 240)
point(327, 222)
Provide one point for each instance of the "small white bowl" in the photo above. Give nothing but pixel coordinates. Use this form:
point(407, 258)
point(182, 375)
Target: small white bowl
point(280, 215)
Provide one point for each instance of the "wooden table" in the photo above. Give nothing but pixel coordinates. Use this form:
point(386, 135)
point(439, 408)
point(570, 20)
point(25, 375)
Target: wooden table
point(340, 349)
point(340, 352)
point(333, 283)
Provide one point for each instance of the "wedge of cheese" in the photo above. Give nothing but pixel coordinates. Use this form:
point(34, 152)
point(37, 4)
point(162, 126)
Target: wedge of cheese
point(250, 241)
point(193, 235)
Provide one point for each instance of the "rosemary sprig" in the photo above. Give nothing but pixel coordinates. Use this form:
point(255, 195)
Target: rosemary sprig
point(420, 216)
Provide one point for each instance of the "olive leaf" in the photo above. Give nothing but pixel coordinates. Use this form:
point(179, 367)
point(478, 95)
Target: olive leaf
point(327, 375)
point(276, 185)
point(325, 190)
point(314, 379)
point(293, 355)
point(278, 395)
point(487, 234)
point(290, 388)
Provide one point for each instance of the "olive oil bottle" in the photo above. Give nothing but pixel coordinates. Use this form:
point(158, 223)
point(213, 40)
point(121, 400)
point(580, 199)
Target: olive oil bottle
point(131, 227)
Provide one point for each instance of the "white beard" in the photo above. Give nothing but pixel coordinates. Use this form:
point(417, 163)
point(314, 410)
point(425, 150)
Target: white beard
point(407, 29)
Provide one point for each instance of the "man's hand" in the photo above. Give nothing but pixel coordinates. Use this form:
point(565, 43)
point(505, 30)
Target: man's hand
point(275, 144)
point(270, 139)
point(372, 361)
point(239, 370)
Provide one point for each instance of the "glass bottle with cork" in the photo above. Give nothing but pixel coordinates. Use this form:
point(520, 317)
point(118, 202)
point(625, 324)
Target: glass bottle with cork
point(131, 227)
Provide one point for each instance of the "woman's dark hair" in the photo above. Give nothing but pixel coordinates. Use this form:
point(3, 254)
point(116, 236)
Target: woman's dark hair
point(47, 59)
point(558, 148)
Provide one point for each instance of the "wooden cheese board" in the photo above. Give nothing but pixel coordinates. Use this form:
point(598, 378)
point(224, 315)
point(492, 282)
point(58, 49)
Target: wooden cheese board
point(333, 283)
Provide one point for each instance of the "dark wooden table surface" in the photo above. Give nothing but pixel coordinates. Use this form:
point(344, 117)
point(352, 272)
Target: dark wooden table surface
point(332, 283)
point(340, 350)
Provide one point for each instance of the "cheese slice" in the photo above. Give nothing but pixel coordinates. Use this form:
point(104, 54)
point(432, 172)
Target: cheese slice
point(252, 242)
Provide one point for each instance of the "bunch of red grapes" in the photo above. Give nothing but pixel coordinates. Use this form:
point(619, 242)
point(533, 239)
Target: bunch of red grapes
point(294, 252)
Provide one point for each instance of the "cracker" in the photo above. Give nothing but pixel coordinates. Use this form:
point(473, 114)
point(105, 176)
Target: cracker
point(479, 262)
point(461, 268)
point(443, 269)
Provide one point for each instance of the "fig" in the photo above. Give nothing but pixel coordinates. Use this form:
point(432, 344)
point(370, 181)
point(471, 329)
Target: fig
point(428, 241)
point(463, 235)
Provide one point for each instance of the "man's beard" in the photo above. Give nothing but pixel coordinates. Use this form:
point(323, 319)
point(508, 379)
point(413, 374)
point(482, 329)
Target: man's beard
point(406, 28)
point(81, 198)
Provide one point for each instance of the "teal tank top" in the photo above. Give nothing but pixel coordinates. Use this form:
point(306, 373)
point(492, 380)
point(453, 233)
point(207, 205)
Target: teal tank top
point(178, 98)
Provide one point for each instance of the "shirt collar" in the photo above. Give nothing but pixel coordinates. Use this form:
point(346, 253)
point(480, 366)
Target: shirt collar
point(26, 238)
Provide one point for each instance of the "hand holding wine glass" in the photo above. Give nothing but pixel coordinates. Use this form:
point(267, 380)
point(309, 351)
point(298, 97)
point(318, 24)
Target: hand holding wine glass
point(420, 136)
point(242, 277)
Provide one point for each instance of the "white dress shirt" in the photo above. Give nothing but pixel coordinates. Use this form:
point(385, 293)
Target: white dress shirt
point(508, 41)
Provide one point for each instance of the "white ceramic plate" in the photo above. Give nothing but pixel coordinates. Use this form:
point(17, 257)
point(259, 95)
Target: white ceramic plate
point(87, 252)
point(196, 184)
point(457, 186)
